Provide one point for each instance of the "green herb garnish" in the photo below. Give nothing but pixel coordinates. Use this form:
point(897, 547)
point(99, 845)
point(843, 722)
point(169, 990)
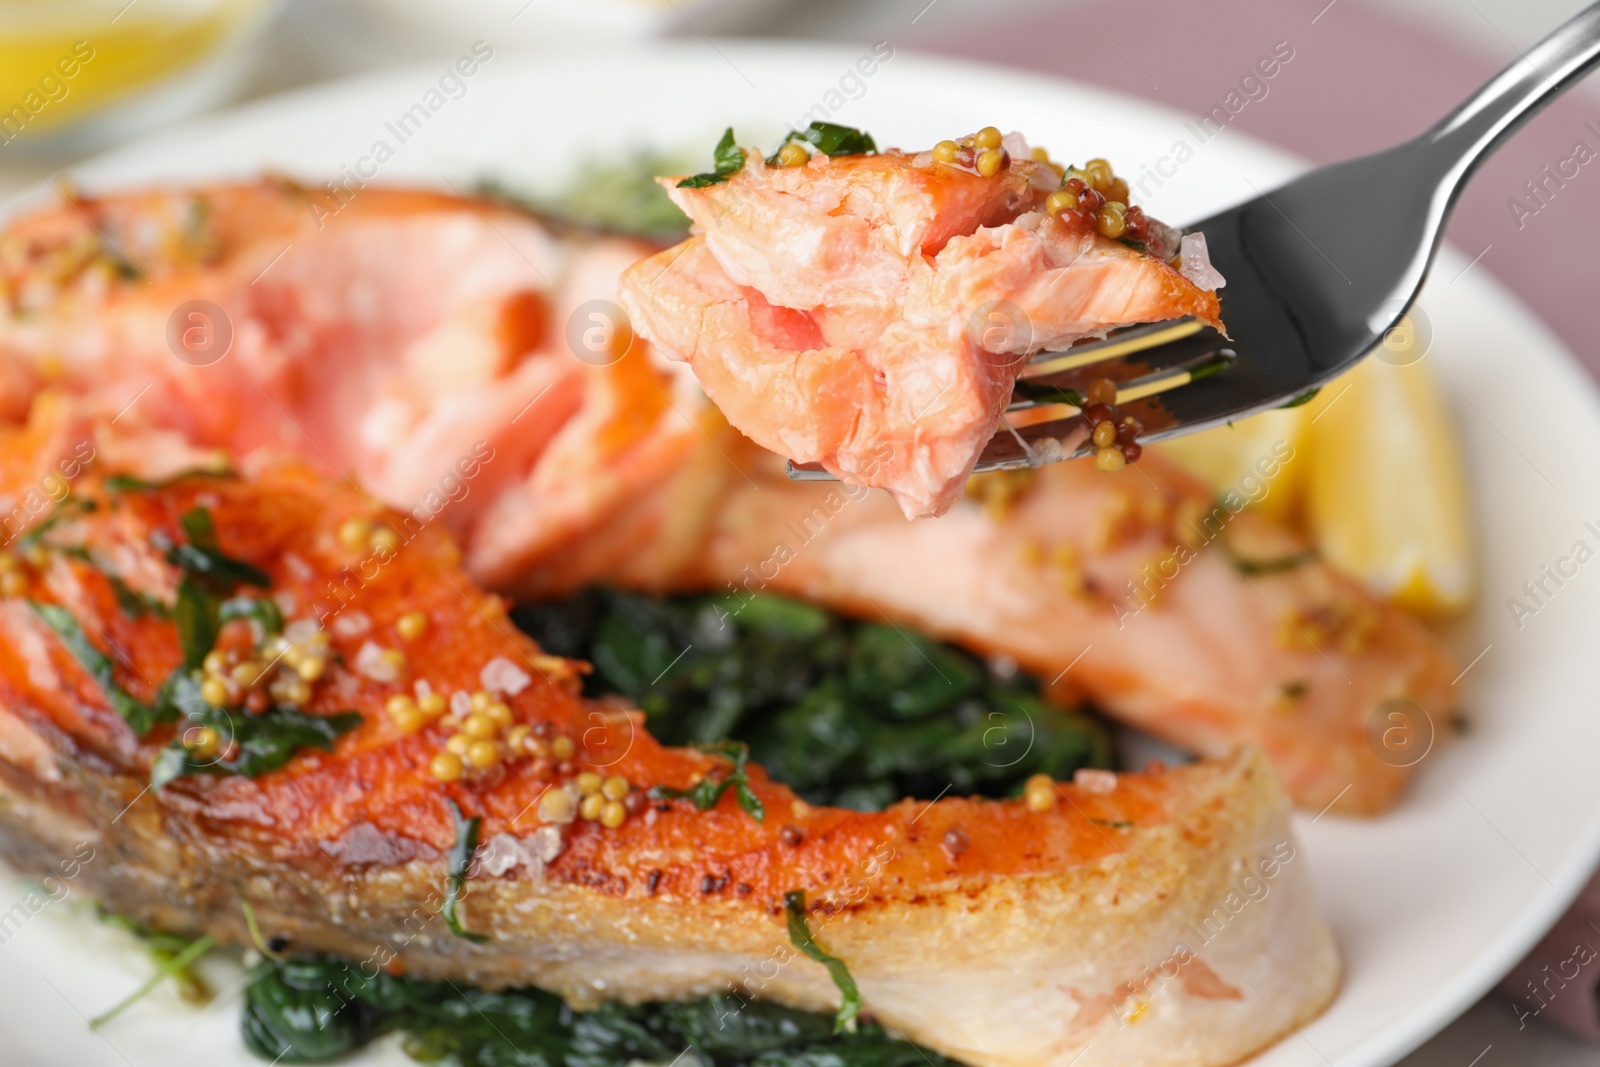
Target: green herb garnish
point(266, 618)
point(1304, 398)
point(134, 604)
point(1253, 567)
point(66, 508)
point(122, 483)
point(1049, 394)
point(727, 160)
point(800, 936)
point(174, 963)
point(136, 713)
point(205, 564)
point(705, 793)
point(831, 139)
point(247, 743)
point(460, 868)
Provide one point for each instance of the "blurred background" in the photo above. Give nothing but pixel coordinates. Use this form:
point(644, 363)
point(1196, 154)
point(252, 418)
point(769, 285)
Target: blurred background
point(1366, 74)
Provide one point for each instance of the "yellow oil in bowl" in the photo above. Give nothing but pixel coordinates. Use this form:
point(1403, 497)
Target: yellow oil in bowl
point(60, 60)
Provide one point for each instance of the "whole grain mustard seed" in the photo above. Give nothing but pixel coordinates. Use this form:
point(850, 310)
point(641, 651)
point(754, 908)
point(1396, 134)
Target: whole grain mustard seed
point(1040, 793)
point(384, 540)
point(483, 754)
point(446, 766)
point(411, 625)
point(353, 533)
point(557, 806)
point(792, 155)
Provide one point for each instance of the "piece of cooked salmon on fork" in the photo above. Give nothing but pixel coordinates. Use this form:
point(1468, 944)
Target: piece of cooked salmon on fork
point(872, 312)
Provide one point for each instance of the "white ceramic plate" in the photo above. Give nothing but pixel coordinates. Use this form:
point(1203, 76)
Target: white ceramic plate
point(1431, 904)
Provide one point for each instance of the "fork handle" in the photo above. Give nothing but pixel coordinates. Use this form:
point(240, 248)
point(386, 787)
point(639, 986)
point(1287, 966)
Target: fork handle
point(1495, 112)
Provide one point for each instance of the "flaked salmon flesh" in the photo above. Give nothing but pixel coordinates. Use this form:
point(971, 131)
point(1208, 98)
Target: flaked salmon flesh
point(871, 313)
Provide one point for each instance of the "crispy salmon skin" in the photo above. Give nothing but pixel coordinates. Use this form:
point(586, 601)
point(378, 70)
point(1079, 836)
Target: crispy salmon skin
point(1072, 909)
point(871, 312)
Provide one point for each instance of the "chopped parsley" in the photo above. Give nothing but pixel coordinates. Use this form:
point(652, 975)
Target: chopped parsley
point(800, 936)
point(1250, 568)
point(460, 867)
point(727, 160)
point(832, 139)
point(705, 793)
point(136, 713)
point(237, 741)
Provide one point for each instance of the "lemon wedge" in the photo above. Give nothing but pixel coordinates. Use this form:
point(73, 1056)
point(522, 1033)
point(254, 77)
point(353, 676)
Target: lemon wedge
point(1262, 458)
point(1386, 498)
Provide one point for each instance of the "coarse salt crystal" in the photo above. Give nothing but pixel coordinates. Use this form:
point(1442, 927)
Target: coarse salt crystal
point(503, 853)
point(1196, 260)
point(545, 843)
point(372, 663)
point(352, 624)
point(1091, 780)
point(500, 675)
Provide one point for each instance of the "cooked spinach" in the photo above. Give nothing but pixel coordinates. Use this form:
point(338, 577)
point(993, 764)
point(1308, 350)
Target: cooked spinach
point(726, 161)
point(609, 196)
point(851, 714)
point(310, 1010)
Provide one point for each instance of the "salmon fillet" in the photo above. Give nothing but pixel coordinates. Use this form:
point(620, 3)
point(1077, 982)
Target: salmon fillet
point(620, 472)
point(871, 312)
point(1175, 900)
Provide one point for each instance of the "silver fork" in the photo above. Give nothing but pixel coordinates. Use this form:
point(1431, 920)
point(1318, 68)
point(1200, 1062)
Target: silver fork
point(1318, 271)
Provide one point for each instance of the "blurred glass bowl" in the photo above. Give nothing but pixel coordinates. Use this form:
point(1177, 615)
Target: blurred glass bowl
point(76, 75)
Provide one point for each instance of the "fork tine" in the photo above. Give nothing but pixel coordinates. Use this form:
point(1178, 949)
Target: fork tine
point(1123, 342)
point(1144, 361)
point(1133, 375)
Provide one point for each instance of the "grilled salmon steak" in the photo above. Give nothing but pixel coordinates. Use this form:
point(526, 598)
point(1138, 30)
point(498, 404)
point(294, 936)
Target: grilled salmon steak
point(871, 312)
point(413, 336)
point(239, 689)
